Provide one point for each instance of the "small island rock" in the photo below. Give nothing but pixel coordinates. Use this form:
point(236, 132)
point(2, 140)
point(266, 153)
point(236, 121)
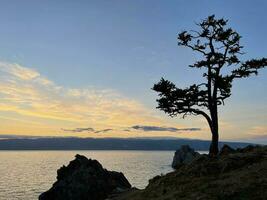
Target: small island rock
point(85, 179)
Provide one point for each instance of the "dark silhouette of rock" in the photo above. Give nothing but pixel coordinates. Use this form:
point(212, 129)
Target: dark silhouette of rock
point(225, 150)
point(184, 155)
point(85, 179)
point(248, 148)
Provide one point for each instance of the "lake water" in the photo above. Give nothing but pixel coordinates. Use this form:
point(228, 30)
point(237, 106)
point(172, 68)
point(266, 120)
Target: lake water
point(26, 174)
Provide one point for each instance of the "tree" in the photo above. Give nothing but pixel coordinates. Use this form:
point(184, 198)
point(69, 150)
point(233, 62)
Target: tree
point(220, 50)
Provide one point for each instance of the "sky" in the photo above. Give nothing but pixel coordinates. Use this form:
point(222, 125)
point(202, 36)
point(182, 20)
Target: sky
point(85, 68)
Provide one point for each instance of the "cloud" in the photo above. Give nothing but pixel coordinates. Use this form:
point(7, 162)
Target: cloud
point(104, 130)
point(136, 127)
point(26, 95)
point(89, 130)
point(40, 106)
point(19, 71)
point(79, 130)
point(258, 131)
point(162, 128)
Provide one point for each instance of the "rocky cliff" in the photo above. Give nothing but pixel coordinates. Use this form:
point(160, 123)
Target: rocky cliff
point(85, 179)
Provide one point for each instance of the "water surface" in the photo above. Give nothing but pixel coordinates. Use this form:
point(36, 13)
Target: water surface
point(26, 174)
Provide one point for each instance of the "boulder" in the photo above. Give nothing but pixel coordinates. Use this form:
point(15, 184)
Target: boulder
point(225, 150)
point(85, 179)
point(184, 155)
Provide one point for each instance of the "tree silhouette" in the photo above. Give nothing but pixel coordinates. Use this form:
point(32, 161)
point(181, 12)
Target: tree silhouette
point(220, 50)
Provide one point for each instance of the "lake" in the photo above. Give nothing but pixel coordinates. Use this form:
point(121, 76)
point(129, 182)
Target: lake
point(26, 174)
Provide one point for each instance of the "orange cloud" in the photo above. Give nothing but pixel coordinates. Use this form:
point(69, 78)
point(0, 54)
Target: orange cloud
point(258, 131)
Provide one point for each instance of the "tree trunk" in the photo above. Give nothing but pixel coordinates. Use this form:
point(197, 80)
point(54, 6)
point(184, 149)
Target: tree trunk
point(214, 149)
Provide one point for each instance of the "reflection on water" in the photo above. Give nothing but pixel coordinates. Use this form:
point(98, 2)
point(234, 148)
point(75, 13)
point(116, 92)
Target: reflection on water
point(26, 174)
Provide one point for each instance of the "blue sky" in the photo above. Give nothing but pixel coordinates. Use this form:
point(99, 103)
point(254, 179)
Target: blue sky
point(126, 46)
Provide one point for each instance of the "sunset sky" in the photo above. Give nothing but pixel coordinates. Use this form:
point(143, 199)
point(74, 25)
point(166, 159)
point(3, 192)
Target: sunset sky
point(86, 68)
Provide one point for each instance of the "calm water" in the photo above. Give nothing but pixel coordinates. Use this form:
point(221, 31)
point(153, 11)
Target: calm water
point(26, 174)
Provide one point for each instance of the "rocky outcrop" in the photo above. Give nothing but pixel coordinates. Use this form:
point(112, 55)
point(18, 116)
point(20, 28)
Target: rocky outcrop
point(239, 175)
point(225, 150)
point(85, 179)
point(184, 155)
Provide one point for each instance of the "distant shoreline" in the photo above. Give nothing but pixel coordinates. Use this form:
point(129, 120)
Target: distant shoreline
point(106, 144)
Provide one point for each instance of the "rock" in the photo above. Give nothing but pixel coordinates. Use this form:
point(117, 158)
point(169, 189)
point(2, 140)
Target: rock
point(248, 148)
point(184, 155)
point(85, 179)
point(225, 150)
